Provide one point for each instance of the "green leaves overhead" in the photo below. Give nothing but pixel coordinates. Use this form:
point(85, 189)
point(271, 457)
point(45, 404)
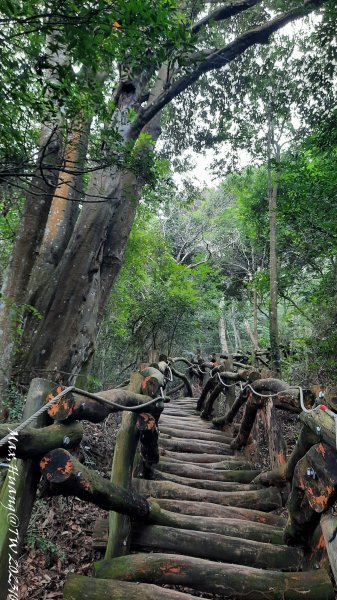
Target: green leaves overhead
point(55, 56)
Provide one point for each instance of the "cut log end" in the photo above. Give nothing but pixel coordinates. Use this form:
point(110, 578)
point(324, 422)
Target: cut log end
point(57, 466)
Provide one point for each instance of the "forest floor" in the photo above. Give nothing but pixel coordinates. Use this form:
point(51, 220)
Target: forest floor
point(59, 539)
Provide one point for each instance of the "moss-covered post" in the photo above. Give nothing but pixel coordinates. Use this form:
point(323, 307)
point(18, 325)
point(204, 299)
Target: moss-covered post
point(121, 474)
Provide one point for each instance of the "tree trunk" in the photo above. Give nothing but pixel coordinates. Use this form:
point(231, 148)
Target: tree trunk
point(28, 240)
point(222, 327)
point(273, 186)
point(251, 335)
point(26, 247)
point(273, 433)
point(73, 298)
point(237, 339)
point(255, 331)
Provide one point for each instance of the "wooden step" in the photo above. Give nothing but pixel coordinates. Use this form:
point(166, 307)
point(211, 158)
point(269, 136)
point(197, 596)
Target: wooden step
point(207, 509)
point(176, 423)
point(193, 457)
point(78, 587)
point(231, 581)
point(195, 435)
point(195, 472)
point(206, 460)
point(213, 546)
point(266, 499)
point(205, 484)
point(225, 526)
point(193, 446)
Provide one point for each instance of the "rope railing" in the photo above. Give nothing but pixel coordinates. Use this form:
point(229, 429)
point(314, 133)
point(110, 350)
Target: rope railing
point(135, 409)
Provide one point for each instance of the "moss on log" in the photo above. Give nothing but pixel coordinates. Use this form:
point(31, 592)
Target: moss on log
point(247, 422)
point(33, 443)
point(208, 387)
point(231, 581)
point(76, 407)
point(321, 424)
point(153, 380)
point(121, 475)
point(209, 402)
point(187, 384)
point(78, 587)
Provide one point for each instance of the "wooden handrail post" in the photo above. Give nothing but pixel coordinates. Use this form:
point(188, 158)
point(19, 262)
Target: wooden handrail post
point(18, 492)
point(121, 475)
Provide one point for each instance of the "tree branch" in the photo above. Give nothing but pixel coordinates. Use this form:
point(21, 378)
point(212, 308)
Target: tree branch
point(298, 308)
point(216, 60)
point(224, 12)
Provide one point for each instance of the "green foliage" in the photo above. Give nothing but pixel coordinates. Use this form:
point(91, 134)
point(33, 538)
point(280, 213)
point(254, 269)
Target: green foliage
point(46, 546)
point(14, 403)
point(307, 248)
point(53, 58)
point(157, 301)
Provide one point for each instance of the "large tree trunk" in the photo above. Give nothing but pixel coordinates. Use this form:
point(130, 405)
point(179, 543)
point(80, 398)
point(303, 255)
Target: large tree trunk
point(28, 240)
point(26, 248)
point(73, 298)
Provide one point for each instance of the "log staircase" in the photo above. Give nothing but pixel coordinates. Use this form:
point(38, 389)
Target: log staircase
point(213, 533)
point(189, 515)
